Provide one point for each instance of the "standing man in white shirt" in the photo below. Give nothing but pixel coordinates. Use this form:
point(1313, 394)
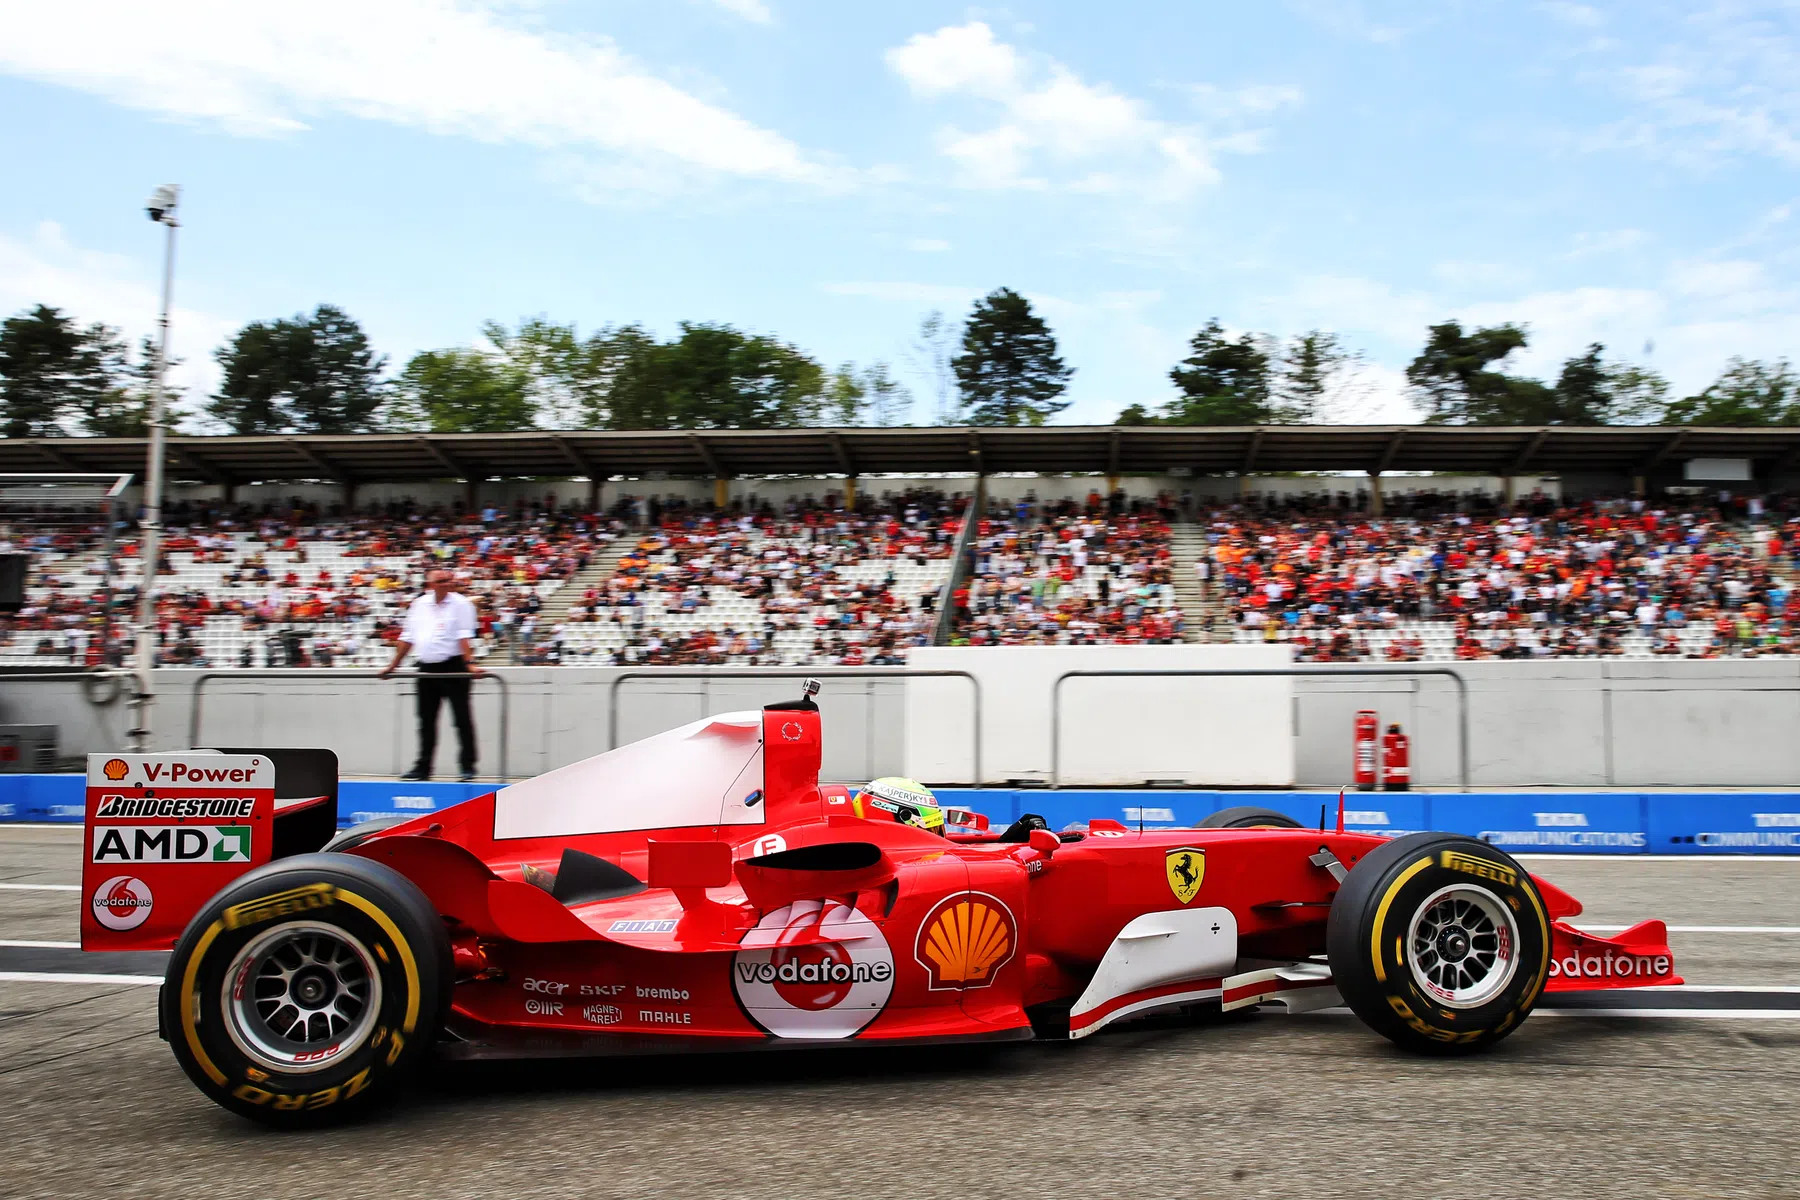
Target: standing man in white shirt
point(440, 628)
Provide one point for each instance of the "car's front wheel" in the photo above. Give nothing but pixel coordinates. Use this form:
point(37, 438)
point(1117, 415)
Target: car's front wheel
point(308, 988)
point(1440, 943)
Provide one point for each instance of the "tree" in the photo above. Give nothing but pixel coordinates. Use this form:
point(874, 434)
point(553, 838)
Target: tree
point(1453, 379)
point(1009, 372)
point(461, 391)
point(49, 368)
point(313, 374)
point(844, 396)
point(630, 372)
point(888, 400)
point(1583, 393)
point(122, 407)
point(1748, 392)
point(931, 355)
point(1319, 380)
point(718, 378)
point(1222, 381)
point(564, 373)
point(1639, 396)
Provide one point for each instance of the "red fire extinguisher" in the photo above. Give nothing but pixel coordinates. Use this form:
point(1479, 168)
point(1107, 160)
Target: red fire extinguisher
point(1396, 760)
point(1367, 724)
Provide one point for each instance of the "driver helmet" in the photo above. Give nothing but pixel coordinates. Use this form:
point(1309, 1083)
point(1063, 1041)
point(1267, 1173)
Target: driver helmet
point(905, 801)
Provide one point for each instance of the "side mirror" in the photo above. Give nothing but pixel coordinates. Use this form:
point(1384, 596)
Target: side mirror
point(1044, 842)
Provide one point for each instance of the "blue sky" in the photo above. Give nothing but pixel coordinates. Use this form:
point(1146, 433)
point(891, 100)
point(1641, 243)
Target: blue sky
point(829, 172)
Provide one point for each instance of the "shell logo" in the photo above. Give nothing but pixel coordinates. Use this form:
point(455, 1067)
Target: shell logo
point(965, 940)
point(115, 769)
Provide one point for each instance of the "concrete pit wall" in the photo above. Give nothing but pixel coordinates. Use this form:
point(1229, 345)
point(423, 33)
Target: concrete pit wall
point(1566, 724)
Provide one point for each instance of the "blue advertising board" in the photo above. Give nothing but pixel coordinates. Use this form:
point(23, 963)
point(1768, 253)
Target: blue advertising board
point(1558, 822)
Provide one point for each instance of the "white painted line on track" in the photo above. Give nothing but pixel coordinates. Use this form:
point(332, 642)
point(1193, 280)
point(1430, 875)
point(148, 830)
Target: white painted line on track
point(1660, 1014)
point(1786, 930)
point(4, 826)
point(1677, 1014)
point(42, 945)
point(40, 887)
point(1790, 859)
point(1678, 989)
point(69, 977)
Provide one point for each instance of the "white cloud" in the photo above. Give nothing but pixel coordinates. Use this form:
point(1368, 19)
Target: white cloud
point(1579, 16)
point(454, 70)
point(125, 293)
point(948, 297)
point(1717, 278)
point(1255, 99)
point(1611, 241)
point(928, 245)
point(750, 10)
point(1055, 129)
point(1721, 87)
point(958, 58)
point(1471, 275)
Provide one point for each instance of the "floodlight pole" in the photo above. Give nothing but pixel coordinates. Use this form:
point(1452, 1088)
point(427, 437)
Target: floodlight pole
point(162, 211)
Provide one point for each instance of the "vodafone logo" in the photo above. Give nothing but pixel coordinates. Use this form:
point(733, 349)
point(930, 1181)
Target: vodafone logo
point(795, 985)
point(792, 731)
point(122, 902)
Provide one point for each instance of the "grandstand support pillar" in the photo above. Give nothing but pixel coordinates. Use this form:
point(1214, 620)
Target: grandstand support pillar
point(850, 493)
point(594, 482)
point(1243, 487)
point(471, 494)
point(1112, 485)
point(721, 490)
point(1375, 506)
point(349, 496)
point(1512, 489)
point(1637, 486)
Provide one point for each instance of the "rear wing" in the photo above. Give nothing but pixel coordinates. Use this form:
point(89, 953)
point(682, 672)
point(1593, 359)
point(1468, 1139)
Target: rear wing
point(165, 832)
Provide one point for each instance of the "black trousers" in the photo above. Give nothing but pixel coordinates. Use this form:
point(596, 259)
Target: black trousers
point(433, 692)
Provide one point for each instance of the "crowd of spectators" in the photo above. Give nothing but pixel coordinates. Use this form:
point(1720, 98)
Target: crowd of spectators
point(1537, 579)
point(806, 582)
point(1068, 572)
point(295, 586)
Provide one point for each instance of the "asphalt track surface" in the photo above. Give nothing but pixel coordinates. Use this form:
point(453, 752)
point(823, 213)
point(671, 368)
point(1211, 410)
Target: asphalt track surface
point(92, 1103)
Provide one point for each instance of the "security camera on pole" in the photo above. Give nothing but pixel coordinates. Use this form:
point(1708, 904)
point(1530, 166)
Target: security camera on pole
point(161, 207)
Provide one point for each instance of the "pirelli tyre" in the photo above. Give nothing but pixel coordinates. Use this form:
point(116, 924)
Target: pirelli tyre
point(307, 989)
point(1439, 943)
point(1249, 816)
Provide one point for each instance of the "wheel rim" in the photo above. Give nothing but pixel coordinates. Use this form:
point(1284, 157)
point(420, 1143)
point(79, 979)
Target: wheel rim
point(300, 996)
point(1463, 946)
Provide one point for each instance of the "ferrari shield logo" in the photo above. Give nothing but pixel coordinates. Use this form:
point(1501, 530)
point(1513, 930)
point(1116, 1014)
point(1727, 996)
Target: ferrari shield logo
point(1186, 867)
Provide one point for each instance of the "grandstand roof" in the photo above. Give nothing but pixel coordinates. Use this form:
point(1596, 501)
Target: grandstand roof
point(393, 457)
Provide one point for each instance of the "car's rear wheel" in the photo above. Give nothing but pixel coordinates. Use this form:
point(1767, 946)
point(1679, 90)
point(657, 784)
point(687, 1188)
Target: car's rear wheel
point(308, 988)
point(1439, 943)
point(1249, 816)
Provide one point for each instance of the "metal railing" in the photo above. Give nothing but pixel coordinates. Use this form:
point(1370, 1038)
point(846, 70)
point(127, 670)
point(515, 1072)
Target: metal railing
point(320, 674)
point(612, 694)
point(1462, 691)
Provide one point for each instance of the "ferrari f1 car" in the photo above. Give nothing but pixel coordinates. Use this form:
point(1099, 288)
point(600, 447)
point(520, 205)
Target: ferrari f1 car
point(700, 890)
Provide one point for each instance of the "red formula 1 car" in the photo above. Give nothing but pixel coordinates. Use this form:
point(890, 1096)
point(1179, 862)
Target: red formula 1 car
point(700, 890)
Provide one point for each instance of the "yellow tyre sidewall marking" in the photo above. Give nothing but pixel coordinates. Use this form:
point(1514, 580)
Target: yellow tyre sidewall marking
point(1381, 915)
point(190, 1029)
point(406, 955)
